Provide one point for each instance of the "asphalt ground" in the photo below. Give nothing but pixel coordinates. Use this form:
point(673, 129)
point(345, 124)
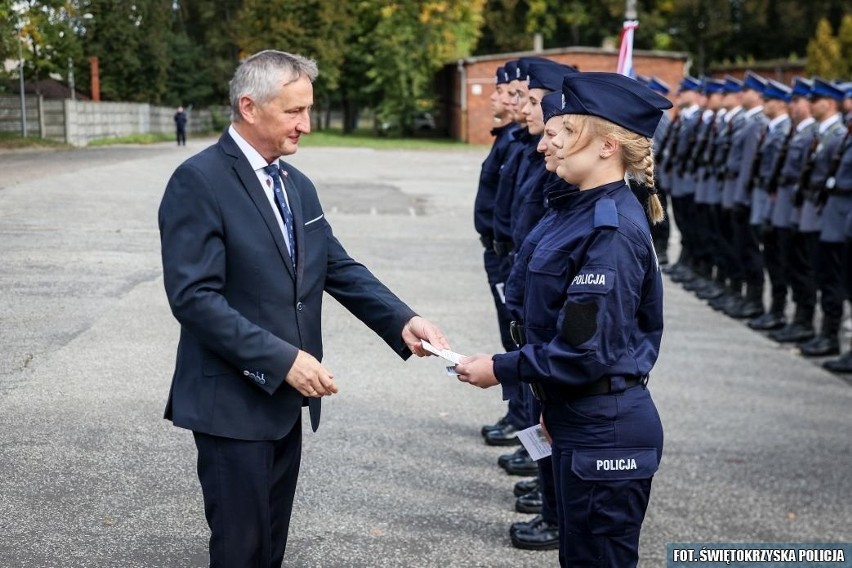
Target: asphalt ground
point(758, 439)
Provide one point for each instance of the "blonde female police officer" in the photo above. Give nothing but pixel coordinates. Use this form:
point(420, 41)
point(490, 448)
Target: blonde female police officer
point(593, 320)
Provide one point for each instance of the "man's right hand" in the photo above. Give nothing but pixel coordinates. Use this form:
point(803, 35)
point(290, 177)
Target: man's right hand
point(309, 377)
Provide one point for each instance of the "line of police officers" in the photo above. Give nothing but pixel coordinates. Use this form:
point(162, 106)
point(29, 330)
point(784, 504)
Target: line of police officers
point(760, 179)
point(759, 176)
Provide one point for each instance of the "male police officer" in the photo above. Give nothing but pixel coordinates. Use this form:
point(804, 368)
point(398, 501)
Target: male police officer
point(770, 158)
point(729, 277)
point(661, 232)
point(827, 228)
point(795, 247)
point(683, 185)
point(745, 238)
point(843, 191)
point(707, 190)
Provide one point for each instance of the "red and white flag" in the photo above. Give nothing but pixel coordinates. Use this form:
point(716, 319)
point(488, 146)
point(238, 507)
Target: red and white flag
point(625, 50)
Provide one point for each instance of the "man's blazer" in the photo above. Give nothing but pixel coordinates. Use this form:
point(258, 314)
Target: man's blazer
point(244, 310)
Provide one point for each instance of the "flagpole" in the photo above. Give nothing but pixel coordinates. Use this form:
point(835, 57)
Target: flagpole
point(630, 10)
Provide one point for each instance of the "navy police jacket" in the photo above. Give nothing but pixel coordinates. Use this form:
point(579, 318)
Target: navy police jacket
point(528, 207)
point(509, 178)
point(489, 177)
point(587, 286)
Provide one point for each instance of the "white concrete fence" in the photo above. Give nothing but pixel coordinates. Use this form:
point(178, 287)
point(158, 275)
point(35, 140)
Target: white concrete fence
point(80, 122)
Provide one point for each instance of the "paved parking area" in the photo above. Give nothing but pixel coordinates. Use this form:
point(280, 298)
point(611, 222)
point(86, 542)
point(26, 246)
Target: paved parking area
point(758, 440)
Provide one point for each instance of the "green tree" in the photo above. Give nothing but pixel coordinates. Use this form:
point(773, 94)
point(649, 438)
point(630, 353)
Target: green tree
point(113, 37)
point(412, 40)
point(211, 25)
point(8, 41)
point(504, 28)
point(824, 52)
point(155, 27)
point(315, 29)
point(844, 37)
point(49, 38)
point(190, 79)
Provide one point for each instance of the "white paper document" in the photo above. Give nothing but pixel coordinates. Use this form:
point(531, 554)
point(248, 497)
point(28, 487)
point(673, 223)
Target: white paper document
point(534, 442)
point(451, 356)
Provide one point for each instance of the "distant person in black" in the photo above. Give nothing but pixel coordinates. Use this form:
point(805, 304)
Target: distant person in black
point(180, 124)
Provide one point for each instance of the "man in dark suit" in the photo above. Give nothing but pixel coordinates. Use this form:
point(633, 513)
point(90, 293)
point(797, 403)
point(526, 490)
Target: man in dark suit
point(247, 254)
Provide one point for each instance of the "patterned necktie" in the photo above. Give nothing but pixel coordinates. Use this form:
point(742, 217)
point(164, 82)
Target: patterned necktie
point(273, 171)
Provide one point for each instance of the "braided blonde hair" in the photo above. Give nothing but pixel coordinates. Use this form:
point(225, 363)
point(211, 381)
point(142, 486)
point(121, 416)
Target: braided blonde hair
point(637, 157)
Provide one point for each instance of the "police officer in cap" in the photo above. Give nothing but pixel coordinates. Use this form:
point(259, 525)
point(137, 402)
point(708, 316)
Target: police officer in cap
point(794, 245)
point(770, 157)
point(504, 432)
point(682, 191)
point(843, 193)
point(662, 230)
point(749, 304)
point(543, 110)
point(822, 221)
point(593, 321)
point(483, 217)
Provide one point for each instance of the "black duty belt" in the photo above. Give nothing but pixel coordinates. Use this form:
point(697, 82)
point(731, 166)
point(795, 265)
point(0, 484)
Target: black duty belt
point(502, 248)
point(605, 385)
point(487, 241)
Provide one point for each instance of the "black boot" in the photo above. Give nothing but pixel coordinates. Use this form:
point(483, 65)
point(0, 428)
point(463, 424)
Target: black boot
point(506, 458)
point(505, 436)
point(840, 365)
point(497, 426)
point(795, 332)
point(529, 503)
point(538, 535)
point(768, 321)
point(821, 346)
point(752, 304)
point(525, 486)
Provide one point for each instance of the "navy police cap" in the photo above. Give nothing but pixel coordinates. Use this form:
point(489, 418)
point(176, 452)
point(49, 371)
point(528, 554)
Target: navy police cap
point(655, 84)
point(712, 86)
point(733, 85)
point(524, 66)
point(551, 105)
point(689, 84)
point(802, 87)
point(547, 75)
point(511, 68)
point(616, 98)
point(846, 88)
point(824, 89)
point(778, 91)
point(502, 76)
point(754, 81)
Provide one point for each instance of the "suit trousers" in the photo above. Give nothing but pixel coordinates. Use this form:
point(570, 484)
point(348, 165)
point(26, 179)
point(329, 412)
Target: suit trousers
point(248, 489)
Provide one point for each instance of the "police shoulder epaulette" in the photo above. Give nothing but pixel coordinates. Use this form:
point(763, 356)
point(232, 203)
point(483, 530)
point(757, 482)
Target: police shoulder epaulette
point(606, 214)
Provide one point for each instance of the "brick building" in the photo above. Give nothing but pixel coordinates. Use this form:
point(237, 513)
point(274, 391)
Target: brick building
point(466, 111)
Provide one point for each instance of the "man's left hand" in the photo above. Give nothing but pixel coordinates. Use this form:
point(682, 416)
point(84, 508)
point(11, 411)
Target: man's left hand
point(417, 329)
